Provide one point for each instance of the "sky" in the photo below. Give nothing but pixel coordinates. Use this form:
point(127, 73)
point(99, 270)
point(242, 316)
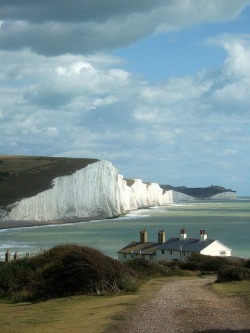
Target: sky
point(159, 88)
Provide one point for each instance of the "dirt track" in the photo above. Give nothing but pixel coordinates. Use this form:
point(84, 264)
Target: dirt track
point(189, 306)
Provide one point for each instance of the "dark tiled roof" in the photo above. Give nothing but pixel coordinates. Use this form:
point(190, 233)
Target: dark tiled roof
point(136, 247)
point(187, 244)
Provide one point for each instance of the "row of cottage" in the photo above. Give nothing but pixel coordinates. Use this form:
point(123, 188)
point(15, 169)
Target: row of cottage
point(173, 248)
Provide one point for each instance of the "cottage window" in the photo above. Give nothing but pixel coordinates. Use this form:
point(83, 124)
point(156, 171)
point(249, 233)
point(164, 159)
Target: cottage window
point(171, 252)
point(151, 257)
point(162, 251)
point(124, 255)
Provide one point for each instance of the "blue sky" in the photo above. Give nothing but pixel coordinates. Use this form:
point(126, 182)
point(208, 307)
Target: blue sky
point(159, 88)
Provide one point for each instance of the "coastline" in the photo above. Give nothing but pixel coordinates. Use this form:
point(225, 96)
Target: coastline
point(9, 224)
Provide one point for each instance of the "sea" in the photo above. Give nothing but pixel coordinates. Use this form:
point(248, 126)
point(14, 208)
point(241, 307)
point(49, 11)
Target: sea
point(226, 221)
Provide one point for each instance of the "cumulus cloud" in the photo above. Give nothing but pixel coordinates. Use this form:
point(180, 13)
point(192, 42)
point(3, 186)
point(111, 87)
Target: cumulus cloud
point(80, 27)
point(89, 105)
point(61, 95)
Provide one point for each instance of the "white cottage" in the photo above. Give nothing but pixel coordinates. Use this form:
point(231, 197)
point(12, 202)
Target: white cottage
point(180, 248)
point(174, 248)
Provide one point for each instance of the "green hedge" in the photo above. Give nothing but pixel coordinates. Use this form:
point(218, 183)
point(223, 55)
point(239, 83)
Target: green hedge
point(63, 271)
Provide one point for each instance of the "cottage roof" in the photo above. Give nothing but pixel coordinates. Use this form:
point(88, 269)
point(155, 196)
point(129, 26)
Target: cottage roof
point(139, 248)
point(187, 244)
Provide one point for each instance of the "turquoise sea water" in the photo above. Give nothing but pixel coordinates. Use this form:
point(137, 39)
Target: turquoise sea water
point(228, 222)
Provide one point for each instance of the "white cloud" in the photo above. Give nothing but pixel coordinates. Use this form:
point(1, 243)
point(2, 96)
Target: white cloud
point(81, 101)
point(88, 106)
point(82, 27)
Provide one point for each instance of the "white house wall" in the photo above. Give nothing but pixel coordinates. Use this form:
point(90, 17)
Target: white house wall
point(169, 255)
point(216, 249)
point(128, 256)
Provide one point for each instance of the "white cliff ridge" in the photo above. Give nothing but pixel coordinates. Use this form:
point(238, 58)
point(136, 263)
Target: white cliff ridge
point(90, 192)
point(96, 191)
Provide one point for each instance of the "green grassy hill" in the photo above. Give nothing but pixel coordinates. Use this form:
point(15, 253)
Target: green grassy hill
point(26, 176)
point(198, 192)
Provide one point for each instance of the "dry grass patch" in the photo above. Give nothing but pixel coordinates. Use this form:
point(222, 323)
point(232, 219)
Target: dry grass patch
point(234, 289)
point(97, 314)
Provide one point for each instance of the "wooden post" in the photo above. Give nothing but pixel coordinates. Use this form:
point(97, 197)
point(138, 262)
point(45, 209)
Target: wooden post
point(7, 256)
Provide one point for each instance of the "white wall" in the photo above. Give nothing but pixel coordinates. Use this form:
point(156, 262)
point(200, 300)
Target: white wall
point(217, 249)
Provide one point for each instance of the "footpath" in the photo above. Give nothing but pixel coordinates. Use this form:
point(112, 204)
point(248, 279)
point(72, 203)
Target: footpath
point(189, 306)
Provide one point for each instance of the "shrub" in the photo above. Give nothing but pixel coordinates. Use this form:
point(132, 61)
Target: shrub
point(65, 270)
point(207, 264)
point(145, 268)
point(247, 265)
point(233, 273)
point(14, 273)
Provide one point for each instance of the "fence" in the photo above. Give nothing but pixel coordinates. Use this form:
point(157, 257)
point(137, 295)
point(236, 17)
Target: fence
point(9, 257)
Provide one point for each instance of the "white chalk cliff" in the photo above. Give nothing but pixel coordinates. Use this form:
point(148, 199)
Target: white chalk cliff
point(96, 191)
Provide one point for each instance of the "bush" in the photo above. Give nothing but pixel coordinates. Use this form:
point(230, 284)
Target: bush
point(63, 271)
point(233, 273)
point(209, 264)
point(247, 265)
point(14, 273)
point(145, 268)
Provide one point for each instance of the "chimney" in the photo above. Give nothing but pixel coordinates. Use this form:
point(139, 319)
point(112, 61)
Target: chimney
point(143, 236)
point(203, 235)
point(183, 234)
point(161, 237)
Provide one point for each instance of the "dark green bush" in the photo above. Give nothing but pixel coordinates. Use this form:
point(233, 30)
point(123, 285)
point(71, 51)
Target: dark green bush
point(145, 268)
point(233, 273)
point(65, 270)
point(209, 264)
point(247, 265)
point(14, 273)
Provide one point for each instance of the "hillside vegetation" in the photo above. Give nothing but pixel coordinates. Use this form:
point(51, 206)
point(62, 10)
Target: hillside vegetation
point(68, 270)
point(198, 192)
point(25, 176)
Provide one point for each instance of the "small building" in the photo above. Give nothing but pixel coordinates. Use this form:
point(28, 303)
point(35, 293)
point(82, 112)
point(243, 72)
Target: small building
point(142, 249)
point(174, 248)
point(180, 248)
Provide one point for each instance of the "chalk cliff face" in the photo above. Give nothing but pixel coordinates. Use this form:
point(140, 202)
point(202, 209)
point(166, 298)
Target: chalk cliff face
point(95, 191)
point(224, 196)
point(90, 192)
point(145, 194)
point(171, 197)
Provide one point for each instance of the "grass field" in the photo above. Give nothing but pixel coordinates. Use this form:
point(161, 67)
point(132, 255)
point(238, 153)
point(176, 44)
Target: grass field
point(239, 289)
point(88, 314)
point(91, 314)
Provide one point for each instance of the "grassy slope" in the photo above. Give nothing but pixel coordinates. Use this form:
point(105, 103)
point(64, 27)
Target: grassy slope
point(26, 176)
point(239, 289)
point(198, 192)
point(97, 314)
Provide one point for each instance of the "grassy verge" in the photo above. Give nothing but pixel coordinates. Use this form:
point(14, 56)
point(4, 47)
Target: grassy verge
point(86, 314)
point(237, 288)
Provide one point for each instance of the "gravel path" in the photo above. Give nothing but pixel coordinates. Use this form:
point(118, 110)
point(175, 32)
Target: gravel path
point(190, 306)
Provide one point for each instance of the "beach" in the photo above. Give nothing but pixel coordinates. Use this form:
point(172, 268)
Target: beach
point(8, 224)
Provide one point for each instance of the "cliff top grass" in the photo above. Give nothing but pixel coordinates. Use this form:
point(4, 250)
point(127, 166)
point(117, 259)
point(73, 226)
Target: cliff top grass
point(198, 192)
point(25, 176)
